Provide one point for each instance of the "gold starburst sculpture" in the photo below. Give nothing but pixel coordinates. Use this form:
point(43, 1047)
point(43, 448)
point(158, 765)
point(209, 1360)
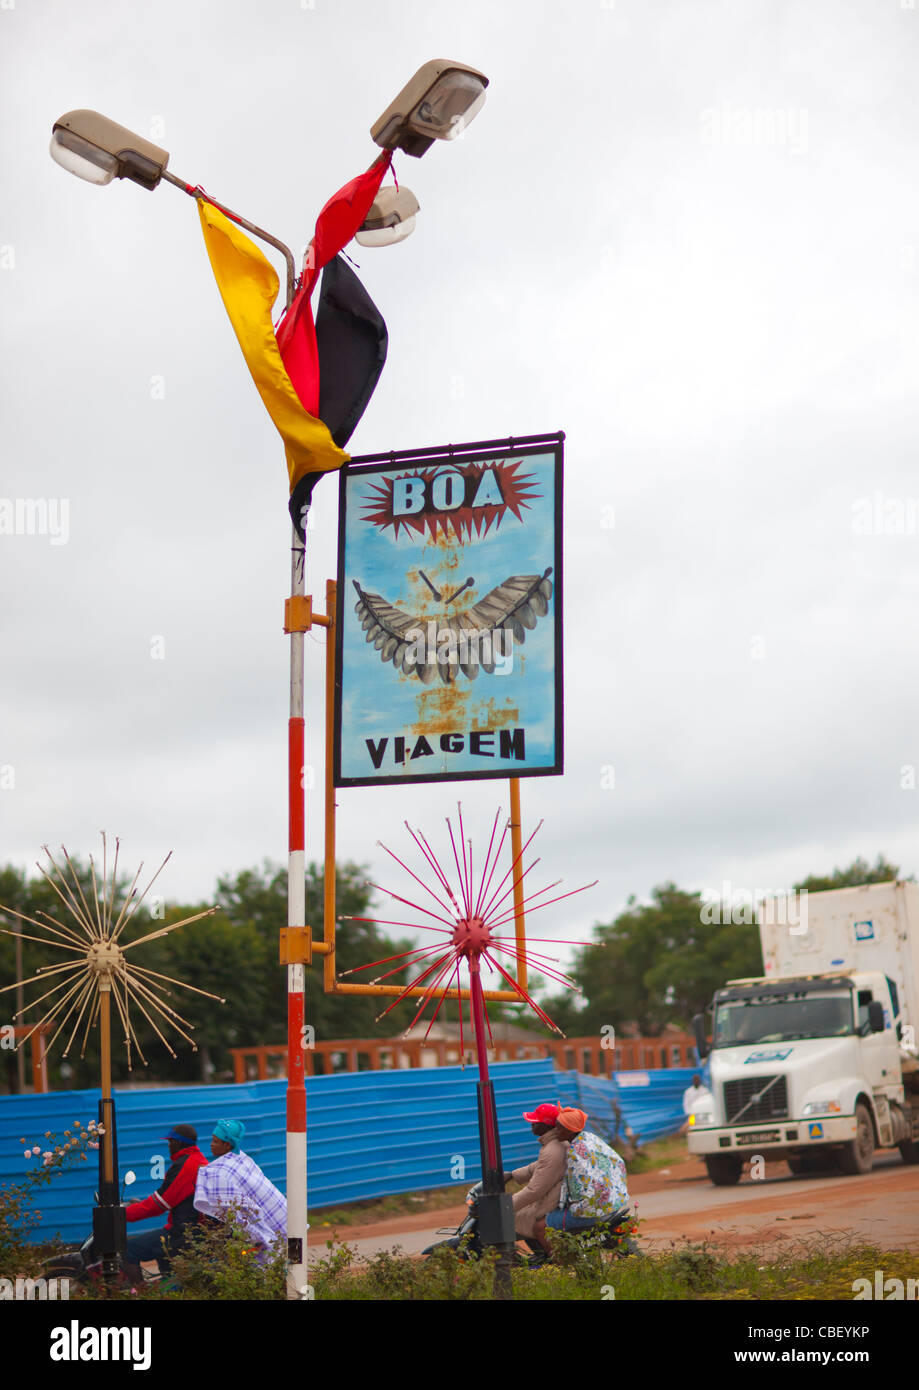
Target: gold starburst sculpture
point(98, 968)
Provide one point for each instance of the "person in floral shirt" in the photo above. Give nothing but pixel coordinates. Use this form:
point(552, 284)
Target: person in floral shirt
point(594, 1186)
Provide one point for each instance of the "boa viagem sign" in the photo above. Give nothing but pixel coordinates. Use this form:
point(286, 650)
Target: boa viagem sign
point(449, 635)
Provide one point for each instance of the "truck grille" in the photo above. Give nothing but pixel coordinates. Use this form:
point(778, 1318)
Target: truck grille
point(773, 1106)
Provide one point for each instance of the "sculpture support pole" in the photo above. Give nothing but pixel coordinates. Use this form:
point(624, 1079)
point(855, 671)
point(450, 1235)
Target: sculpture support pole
point(492, 1171)
point(495, 1207)
point(109, 1226)
point(519, 917)
point(105, 1047)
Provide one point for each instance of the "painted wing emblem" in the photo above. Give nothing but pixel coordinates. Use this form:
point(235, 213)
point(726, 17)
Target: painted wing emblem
point(466, 641)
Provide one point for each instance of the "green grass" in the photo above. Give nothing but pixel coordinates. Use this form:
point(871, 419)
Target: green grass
point(817, 1269)
point(660, 1154)
point(221, 1267)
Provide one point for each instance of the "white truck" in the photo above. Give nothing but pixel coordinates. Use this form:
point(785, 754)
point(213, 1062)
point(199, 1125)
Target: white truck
point(816, 1061)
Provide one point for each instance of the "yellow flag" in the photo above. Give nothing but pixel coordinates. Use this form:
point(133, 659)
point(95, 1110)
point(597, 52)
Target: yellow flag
point(248, 286)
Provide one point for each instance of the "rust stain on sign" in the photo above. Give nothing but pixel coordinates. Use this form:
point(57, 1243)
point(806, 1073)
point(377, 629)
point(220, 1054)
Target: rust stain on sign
point(445, 708)
point(488, 714)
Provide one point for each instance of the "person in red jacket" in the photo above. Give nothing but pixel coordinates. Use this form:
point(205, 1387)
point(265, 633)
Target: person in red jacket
point(175, 1194)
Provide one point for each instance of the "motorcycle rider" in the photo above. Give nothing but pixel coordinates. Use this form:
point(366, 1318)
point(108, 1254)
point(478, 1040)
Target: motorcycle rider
point(542, 1179)
point(594, 1188)
point(233, 1182)
point(175, 1194)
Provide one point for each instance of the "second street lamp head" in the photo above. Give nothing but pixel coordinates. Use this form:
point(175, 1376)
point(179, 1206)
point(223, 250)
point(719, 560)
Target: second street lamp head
point(391, 218)
point(439, 102)
point(99, 150)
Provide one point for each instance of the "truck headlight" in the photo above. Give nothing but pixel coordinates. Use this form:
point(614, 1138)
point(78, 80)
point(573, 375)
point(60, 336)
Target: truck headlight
point(702, 1117)
point(822, 1107)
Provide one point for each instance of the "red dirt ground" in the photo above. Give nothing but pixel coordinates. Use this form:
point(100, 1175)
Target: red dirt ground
point(882, 1207)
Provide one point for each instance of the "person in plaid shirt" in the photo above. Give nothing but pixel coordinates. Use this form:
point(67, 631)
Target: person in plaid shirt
point(234, 1180)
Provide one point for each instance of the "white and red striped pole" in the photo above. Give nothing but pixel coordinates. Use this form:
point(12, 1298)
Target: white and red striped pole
point(296, 917)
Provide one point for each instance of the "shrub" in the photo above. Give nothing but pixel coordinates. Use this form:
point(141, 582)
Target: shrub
point(390, 1275)
point(18, 1216)
point(219, 1261)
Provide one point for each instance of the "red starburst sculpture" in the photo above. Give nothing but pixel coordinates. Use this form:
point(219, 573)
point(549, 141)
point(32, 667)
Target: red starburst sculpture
point(471, 933)
point(472, 919)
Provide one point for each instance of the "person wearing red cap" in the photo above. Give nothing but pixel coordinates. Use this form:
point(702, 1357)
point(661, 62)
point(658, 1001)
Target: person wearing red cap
point(542, 1179)
point(175, 1195)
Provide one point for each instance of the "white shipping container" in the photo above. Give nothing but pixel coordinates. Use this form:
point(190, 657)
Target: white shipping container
point(875, 927)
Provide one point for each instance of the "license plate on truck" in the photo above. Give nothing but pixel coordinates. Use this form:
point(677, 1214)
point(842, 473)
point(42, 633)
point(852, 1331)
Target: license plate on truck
point(760, 1136)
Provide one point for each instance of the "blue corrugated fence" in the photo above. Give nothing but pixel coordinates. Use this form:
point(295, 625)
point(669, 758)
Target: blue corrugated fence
point(650, 1103)
point(370, 1133)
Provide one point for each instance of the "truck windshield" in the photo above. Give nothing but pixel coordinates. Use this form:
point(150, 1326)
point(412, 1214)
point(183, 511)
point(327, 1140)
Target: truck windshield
point(781, 1018)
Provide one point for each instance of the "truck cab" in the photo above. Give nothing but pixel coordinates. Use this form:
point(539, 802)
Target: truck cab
point(815, 1061)
point(802, 1069)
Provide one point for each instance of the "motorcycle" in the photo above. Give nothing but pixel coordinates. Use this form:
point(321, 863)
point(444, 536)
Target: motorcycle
point(610, 1234)
point(83, 1264)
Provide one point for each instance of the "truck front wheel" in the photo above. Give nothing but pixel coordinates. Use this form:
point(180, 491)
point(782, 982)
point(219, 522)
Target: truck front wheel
point(724, 1169)
point(858, 1155)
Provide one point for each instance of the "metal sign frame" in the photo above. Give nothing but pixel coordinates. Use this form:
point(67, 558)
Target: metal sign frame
point(447, 461)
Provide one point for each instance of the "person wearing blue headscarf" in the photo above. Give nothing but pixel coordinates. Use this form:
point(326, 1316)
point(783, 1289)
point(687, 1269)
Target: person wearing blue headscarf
point(226, 1137)
point(236, 1186)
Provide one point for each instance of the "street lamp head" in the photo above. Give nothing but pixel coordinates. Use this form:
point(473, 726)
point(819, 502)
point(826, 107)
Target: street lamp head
point(439, 102)
point(98, 150)
point(391, 218)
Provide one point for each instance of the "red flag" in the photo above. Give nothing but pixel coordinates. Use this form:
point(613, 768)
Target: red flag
point(341, 217)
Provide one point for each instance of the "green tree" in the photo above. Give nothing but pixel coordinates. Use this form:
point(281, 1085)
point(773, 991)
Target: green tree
point(858, 872)
point(657, 963)
point(259, 897)
point(233, 954)
point(229, 959)
point(660, 962)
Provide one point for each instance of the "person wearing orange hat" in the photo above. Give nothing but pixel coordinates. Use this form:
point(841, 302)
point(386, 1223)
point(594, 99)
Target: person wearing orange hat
point(570, 1122)
point(593, 1190)
point(542, 1179)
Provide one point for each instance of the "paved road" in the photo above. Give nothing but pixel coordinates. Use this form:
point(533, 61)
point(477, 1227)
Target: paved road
point(680, 1204)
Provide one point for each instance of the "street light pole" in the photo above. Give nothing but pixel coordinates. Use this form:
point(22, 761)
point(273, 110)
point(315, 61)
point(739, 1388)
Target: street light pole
point(296, 849)
point(394, 223)
point(196, 191)
point(437, 104)
point(296, 917)
point(296, 872)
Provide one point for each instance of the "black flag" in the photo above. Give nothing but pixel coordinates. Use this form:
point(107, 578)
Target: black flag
point(352, 341)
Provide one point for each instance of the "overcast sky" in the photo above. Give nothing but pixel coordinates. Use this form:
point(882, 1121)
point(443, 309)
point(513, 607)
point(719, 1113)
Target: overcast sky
point(684, 232)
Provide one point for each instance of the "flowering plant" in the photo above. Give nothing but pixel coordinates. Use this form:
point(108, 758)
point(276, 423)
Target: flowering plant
point(54, 1154)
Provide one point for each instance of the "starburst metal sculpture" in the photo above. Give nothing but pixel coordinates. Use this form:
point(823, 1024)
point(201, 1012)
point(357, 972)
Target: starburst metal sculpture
point(98, 968)
point(96, 971)
point(471, 933)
